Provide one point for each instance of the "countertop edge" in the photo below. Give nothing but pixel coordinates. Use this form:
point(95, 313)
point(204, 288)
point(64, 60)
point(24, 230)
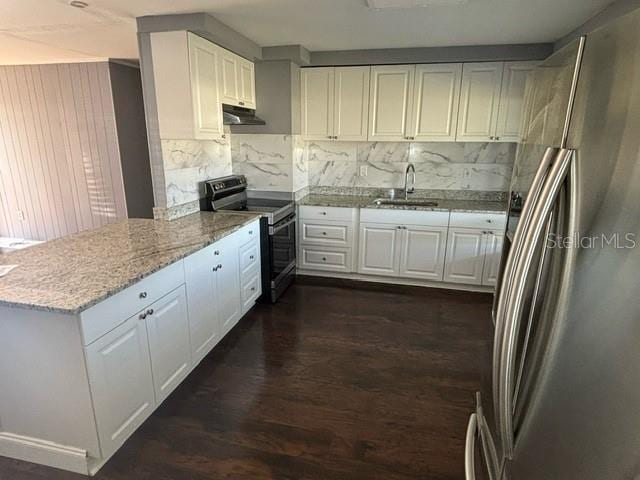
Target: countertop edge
point(251, 217)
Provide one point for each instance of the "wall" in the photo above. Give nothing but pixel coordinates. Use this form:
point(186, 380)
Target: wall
point(126, 88)
point(613, 11)
point(59, 161)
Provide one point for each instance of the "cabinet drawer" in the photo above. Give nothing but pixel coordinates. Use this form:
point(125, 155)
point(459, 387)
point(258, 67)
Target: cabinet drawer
point(249, 256)
point(321, 258)
point(326, 213)
point(478, 220)
point(327, 233)
point(404, 217)
point(108, 314)
point(251, 290)
point(248, 233)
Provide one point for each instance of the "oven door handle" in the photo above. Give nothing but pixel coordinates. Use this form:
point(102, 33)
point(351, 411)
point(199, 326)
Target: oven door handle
point(279, 226)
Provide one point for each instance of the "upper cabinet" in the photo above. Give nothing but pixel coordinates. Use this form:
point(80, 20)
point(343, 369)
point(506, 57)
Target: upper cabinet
point(390, 102)
point(491, 101)
point(237, 80)
point(415, 102)
point(335, 103)
point(436, 95)
point(192, 79)
point(512, 94)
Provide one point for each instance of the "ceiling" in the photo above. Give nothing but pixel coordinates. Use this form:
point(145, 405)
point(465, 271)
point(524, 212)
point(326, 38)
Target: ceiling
point(45, 31)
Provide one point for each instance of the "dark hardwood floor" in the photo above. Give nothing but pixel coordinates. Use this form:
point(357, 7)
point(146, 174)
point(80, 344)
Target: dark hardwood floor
point(331, 383)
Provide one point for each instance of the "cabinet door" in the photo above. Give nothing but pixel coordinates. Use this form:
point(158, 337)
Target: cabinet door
point(514, 81)
point(465, 256)
point(202, 301)
point(119, 369)
point(247, 76)
point(493, 255)
point(316, 93)
point(390, 98)
point(207, 111)
point(479, 100)
point(229, 81)
point(436, 97)
point(351, 103)
point(423, 252)
point(379, 249)
point(228, 284)
point(168, 328)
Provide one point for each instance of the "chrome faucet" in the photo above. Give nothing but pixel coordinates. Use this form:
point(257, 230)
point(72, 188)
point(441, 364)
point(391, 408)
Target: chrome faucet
point(409, 189)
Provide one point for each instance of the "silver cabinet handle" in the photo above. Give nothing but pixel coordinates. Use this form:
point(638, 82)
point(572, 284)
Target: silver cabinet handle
point(470, 447)
point(329, 137)
point(512, 258)
point(219, 267)
point(515, 300)
point(143, 294)
point(323, 213)
point(251, 257)
point(142, 316)
point(253, 289)
point(150, 311)
point(217, 252)
point(250, 232)
point(241, 103)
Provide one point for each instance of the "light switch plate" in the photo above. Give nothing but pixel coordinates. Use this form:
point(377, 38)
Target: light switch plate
point(363, 170)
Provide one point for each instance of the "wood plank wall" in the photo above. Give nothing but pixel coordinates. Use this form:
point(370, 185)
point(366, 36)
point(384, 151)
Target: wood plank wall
point(60, 169)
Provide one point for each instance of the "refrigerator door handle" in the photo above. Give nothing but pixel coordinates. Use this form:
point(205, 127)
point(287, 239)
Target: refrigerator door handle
point(515, 296)
point(513, 258)
point(470, 448)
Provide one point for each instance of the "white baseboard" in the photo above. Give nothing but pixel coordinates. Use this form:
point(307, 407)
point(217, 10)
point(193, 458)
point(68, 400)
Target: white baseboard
point(396, 281)
point(44, 452)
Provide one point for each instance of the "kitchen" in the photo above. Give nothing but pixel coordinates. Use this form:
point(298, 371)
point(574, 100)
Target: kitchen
point(240, 250)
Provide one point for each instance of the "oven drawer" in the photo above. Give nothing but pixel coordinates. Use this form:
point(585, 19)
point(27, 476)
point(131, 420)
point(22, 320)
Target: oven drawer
point(327, 213)
point(325, 258)
point(338, 234)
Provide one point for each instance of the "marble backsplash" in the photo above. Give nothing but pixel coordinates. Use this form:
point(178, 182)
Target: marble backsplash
point(188, 163)
point(439, 165)
point(270, 162)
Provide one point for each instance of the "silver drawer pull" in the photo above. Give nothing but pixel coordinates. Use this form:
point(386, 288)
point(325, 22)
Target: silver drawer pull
point(251, 257)
point(323, 213)
point(253, 289)
point(219, 267)
point(324, 259)
point(143, 294)
point(142, 316)
point(150, 311)
point(250, 232)
point(489, 220)
point(324, 233)
point(217, 252)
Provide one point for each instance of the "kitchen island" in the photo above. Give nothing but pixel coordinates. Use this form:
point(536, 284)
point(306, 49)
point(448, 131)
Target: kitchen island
point(98, 328)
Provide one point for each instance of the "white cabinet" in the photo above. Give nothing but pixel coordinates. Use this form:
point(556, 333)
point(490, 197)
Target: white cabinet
point(228, 284)
point(185, 75)
point(379, 249)
point(247, 90)
point(202, 298)
point(479, 101)
point(423, 252)
point(168, 330)
point(390, 102)
point(493, 255)
point(237, 80)
point(512, 93)
point(436, 95)
point(335, 103)
point(465, 256)
point(119, 369)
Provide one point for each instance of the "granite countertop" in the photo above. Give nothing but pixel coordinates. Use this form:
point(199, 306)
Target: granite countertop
point(444, 205)
point(73, 273)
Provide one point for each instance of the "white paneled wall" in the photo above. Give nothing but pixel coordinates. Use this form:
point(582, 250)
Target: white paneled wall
point(59, 161)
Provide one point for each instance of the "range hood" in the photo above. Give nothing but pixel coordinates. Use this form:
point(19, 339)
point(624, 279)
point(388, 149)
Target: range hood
point(232, 115)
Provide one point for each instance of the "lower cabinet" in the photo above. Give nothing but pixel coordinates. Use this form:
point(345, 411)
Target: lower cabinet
point(473, 256)
point(423, 252)
point(379, 249)
point(119, 368)
point(228, 285)
point(169, 343)
point(492, 257)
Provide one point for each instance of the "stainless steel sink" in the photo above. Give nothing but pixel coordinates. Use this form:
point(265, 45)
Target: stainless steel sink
point(401, 202)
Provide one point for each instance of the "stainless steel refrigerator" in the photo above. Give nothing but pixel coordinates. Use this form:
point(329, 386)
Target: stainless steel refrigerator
point(561, 391)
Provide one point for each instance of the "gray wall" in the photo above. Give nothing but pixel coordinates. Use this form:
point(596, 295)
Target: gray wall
point(613, 11)
point(480, 53)
point(126, 86)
